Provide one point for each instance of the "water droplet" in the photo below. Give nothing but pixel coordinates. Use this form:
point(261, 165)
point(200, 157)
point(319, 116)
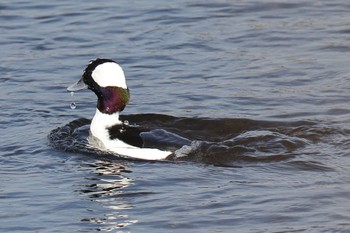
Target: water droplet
point(73, 105)
point(126, 122)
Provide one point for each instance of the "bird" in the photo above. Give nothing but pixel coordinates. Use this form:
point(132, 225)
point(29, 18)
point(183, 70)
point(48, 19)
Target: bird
point(106, 79)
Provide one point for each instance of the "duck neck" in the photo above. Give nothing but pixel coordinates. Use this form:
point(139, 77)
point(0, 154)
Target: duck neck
point(111, 99)
point(101, 122)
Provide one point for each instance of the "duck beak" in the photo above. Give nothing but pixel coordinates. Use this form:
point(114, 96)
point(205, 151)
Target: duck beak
point(78, 86)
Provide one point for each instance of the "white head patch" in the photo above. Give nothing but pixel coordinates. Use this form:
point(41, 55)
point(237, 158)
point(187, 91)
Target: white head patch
point(109, 74)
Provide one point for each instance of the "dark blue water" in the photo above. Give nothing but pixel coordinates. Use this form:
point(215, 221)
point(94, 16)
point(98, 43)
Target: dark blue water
point(260, 88)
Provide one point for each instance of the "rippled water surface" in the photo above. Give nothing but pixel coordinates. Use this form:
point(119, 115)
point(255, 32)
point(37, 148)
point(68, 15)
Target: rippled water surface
point(260, 88)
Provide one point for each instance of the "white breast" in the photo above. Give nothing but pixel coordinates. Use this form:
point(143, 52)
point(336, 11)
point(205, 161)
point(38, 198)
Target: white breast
point(98, 130)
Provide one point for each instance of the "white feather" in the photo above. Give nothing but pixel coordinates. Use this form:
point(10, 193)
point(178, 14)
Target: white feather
point(98, 130)
point(109, 74)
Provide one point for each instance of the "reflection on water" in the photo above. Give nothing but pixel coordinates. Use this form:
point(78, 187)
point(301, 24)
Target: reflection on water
point(107, 187)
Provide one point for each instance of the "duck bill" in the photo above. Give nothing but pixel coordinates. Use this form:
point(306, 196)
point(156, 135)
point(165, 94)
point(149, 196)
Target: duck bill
point(78, 86)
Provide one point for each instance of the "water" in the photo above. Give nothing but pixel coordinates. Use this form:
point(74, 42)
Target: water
point(260, 89)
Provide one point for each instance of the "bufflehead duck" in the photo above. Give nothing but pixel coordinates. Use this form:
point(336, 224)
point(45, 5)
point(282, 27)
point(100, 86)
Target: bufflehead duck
point(106, 79)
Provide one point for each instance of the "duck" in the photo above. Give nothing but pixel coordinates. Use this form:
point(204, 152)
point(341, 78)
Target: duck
point(106, 79)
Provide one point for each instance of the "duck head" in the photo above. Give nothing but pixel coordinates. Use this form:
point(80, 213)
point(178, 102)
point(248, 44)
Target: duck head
point(106, 79)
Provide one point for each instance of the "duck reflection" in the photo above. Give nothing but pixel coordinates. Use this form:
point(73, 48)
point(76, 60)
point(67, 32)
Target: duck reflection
point(107, 186)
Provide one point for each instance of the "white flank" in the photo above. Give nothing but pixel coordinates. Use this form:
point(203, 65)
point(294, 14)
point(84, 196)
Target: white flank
point(98, 129)
point(109, 74)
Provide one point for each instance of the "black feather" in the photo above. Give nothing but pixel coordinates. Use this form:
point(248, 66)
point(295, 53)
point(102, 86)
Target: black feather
point(128, 134)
